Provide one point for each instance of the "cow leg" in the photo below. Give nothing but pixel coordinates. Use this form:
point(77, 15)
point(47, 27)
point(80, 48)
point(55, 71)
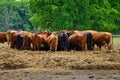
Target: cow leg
point(33, 47)
point(50, 47)
point(17, 44)
point(23, 44)
point(59, 46)
point(53, 48)
point(100, 47)
point(20, 44)
point(38, 46)
point(91, 46)
point(12, 45)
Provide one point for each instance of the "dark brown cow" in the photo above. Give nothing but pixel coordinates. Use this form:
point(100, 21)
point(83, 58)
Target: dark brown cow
point(77, 41)
point(3, 37)
point(102, 38)
point(89, 40)
point(63, 42)
point(19, 41)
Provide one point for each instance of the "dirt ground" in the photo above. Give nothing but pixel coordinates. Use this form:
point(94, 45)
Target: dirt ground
point(59, 65)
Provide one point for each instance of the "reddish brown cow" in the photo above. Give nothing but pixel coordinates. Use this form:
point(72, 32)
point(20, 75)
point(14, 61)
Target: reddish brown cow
point(53, 41)
point(102, 38)
point(89, 39)
point(3, 37)
point(27, 41)
point(37, 41)
point(45, 35)
point(78, 41)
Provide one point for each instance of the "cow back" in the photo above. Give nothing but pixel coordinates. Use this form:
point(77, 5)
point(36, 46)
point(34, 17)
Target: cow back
point(77, 41)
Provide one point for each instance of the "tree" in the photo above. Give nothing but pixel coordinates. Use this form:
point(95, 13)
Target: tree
point(7, 15)
point(75, 14)
point(60, 14)
point(15, 15)
point(103, 16)
point(24, 12)
point(115, 4)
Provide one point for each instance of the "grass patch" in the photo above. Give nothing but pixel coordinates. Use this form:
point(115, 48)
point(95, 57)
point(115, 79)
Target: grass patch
point(116, 40)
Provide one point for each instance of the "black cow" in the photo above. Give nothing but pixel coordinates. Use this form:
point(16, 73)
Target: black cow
point(19, 41)
point(63, 43)
point(89, 40)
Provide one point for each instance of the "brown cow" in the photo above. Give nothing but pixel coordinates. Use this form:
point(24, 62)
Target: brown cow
point(91, 31)
point(8, 34)
point(88, 35)
point(13, 39)
point(45, 35)
point(102, 38)
point(77, 41)
point(3, 37)
point(37, 41)
point(53, 41)
point(11, 36)
point(27, 41)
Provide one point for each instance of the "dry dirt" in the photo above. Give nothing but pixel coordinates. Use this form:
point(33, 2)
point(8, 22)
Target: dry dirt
point(60, 65)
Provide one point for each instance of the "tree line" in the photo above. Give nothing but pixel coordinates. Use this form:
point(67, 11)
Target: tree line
point(100, 15)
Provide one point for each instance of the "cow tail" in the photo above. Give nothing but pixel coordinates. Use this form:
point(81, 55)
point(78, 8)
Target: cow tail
point(8, 37)
point(85, 42)
point(56, 43)
point(111, 41)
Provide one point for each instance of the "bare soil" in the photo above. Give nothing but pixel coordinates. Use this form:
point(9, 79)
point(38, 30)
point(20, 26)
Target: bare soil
point(60, 65)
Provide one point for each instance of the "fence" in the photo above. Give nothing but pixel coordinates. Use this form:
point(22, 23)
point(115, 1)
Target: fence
point(115, 36)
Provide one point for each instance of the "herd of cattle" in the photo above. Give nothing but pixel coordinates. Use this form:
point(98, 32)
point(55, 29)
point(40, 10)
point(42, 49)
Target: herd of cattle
point(61, 40)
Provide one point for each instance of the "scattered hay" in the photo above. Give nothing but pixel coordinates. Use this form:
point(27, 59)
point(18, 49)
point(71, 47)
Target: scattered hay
point(19, 59)
point(13, 65)
point(57, 61)
point(11, 61)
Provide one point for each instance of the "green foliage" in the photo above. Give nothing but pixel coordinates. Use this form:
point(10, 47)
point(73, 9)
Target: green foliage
point(58, 14)
point(101, 15)
point(75, 14)
point(14, 15)
point(104, 16)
